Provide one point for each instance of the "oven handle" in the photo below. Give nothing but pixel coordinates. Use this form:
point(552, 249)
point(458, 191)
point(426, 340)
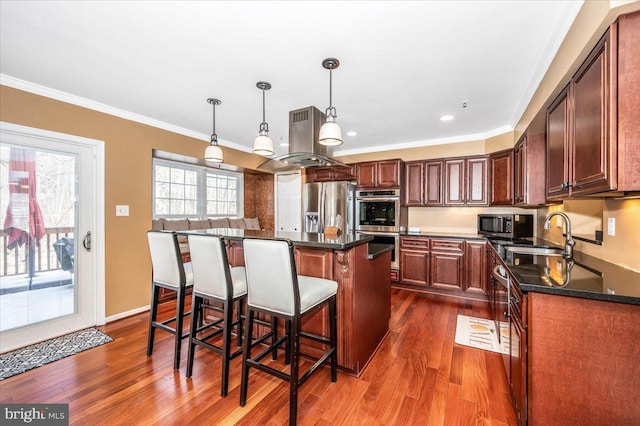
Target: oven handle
point(378, 199)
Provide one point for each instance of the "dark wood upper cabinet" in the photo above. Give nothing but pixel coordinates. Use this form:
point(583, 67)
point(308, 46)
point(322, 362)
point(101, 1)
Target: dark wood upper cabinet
point(389, 173)
point(432, 183)
point(558, 146)
point(454, 182)
point(379, 174)
point(501, 168)
point(367, 174)
point(592, 133)
point(477, 181)
point(529, 164)
point(423, 180)
point(414, 181)
point(329, 174)
point(465, 181)
point(593, 126)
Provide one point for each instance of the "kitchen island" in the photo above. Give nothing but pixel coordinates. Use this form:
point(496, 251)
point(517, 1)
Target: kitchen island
point(364, 289)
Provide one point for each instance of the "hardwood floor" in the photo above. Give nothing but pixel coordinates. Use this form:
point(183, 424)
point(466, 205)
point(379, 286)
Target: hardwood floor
point(419, 376)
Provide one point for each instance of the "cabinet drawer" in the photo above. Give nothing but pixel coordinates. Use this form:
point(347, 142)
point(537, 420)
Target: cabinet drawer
point(447, 245)
point(415, 243)
point(395, 275)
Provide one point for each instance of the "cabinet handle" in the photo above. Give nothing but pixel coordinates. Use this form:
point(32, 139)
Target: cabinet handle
point(506, 314)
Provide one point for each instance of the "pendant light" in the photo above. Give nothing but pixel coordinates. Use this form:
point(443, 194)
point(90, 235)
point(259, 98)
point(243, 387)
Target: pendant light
point(263, 145)
point(330, 132)
point(213, 152)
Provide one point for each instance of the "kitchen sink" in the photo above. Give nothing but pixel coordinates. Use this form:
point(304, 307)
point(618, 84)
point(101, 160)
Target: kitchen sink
point(546, 251)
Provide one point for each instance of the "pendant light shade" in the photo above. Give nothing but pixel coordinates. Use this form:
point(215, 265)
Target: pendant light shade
point(213, 152)
point(263, 145)
point(330, 132)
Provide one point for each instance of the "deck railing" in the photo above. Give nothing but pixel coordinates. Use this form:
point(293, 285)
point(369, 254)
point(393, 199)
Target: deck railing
point(14, 262)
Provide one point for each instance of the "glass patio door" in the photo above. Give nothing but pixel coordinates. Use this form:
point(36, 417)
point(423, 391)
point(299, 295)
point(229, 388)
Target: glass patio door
point(48, 220)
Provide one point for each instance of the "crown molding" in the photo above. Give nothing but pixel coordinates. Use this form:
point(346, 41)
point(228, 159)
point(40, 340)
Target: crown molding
point(37, 89)
point(428, 142)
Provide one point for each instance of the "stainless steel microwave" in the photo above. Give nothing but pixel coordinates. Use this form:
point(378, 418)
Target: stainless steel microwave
point(506, 225)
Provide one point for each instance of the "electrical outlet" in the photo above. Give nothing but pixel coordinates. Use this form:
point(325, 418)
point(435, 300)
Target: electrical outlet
point(559, 222)
point(122, 210)
point(611, 226)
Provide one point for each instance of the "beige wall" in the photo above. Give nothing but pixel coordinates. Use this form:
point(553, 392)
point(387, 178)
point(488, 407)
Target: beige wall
point(128, 174)
point(621, 249)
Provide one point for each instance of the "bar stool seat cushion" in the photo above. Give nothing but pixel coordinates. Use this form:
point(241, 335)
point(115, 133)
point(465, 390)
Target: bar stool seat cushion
point(239, 281)
point(314, 291)
point(188, 274)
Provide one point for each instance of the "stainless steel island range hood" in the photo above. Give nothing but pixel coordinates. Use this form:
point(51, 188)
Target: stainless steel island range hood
point(304, 149)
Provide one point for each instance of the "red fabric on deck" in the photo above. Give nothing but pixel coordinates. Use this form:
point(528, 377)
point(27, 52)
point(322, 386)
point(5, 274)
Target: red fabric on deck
point(24, 222)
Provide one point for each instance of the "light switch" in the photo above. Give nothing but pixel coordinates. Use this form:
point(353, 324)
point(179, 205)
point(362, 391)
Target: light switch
point(122, 210)
point(611, 226)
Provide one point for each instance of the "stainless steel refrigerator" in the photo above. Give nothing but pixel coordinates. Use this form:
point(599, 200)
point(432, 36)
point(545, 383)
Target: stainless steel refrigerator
point(328, 204)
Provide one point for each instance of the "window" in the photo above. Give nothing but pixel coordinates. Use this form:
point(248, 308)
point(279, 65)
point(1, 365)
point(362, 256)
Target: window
point(181, 190)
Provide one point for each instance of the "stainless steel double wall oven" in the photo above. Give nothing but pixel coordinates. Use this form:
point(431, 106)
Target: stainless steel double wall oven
point(379, 213)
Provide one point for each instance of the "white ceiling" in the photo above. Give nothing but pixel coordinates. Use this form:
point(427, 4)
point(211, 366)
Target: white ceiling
point(402, 64)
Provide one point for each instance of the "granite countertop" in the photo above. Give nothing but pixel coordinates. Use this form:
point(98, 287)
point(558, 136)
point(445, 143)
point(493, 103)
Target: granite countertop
point(303, 239)
point(376, 249)
point(584, 276)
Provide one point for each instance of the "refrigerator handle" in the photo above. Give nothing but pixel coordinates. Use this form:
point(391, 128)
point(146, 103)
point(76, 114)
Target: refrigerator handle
point(321, 209)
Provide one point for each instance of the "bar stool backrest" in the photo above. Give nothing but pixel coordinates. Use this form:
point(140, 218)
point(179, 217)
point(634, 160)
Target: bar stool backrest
point(166, 259)
point(272, 283)
point(211, 274)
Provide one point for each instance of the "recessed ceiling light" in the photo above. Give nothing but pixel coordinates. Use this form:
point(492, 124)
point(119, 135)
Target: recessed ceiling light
point(352, 133)
point(447, 117)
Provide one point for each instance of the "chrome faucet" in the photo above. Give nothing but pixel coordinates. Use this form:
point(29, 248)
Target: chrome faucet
point(569, 242)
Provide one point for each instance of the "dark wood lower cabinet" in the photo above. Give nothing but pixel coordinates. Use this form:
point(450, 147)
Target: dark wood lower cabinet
point(414, 267)
point(444, 265)
point(583, 361)
point(475, 261)
point(446, 270)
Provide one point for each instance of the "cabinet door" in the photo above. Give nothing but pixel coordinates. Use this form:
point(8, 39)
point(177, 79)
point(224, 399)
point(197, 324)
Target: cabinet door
point(518, 364)
point(366, 174)
point(477, 188)
point(557, 147)
point(322, 174)
point(590, 154)
point(446, 270)
point(344, 173)
point(502, 178)
point(389, 174)
point(454, 181)
point(414, 181)
point(414, 267)
point(475, 267)
point(432, 183)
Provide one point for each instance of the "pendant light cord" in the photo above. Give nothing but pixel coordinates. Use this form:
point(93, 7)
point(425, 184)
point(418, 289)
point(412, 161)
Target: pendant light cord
point(330, 88)
point(263, 108)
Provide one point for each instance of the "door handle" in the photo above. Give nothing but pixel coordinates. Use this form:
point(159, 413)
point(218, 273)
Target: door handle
point(86, 241)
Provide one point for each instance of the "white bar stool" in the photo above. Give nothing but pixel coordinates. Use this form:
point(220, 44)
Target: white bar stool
point(171, 273)
point(274, 288)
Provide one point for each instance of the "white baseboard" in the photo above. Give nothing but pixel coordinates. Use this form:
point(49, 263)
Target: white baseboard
point(127, 313)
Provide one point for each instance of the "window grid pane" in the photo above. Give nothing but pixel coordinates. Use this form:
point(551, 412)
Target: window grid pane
point(177, 190)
